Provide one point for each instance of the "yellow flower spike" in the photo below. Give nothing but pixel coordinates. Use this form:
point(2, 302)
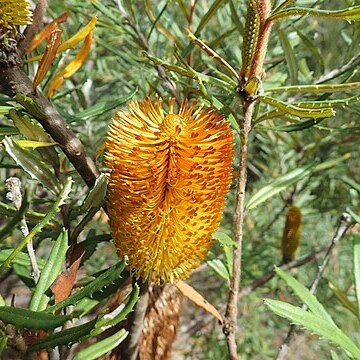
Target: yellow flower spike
point(169, 177)
point(14, 13)
point(291, 234)
point(72, 67)
point(73, 41)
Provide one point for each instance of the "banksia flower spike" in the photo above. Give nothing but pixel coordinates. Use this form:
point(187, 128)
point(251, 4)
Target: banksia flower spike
point(169, 177)
point(291, 234)
point(14, 13)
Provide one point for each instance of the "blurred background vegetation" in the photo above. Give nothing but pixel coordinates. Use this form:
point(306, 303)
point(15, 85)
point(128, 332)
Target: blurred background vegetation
point(129, 39)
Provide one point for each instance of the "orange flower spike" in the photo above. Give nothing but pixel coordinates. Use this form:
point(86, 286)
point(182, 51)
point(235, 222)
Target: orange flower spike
point(169, 177)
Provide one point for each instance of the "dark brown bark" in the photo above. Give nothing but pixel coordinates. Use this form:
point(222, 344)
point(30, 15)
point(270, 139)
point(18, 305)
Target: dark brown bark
point(17, 84)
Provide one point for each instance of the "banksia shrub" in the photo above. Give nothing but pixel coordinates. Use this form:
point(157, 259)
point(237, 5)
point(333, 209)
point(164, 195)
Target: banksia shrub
point(291, 234)
point(169, 177)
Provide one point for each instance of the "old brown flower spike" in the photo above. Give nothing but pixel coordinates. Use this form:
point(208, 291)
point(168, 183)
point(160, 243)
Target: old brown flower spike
point(170, 173)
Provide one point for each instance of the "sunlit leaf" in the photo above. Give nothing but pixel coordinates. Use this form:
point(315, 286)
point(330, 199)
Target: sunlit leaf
point(298, 111)
point(304, 294)
point(313, 323)
point(49, 273)
point(32, 165)
point(351, 13)
point(278, 185)
point(34, 144)
point(219, 267)
point(289, 56)
point(95, 351)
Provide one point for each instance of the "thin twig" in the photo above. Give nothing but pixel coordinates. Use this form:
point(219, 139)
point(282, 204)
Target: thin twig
point(263, 9)
point(232, 309)
point(13, 186)
point(344, 224)
point(351, 64)
point(256, 283)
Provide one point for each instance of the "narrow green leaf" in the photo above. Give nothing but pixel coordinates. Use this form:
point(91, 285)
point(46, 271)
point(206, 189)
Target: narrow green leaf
point(103, 107)
point(210, 13)
point(32, 165)
point(227, 112)
point(28, 128)
point(278, 185)
point(350, 14)
point(3, 344)
point(105, 279)
point(115, 318)
point(64, 337)
point(343, 299)
point(223, 239)
point(4, 109)
point(27, 319)
point(298, 111)
point(334, 356)
point(49, 273)
point(100, 348)
point(314, 49)
point(331, 163)
point(289, 56)
point(34, 132)
point(313, 323)
point(317, 89)
point(219, 268)
point(21, 258)
point(34, 144)
point(63, 195)
point(353, 214)
point(8, 131)
point(229, 256)
point(11, 225)
point(97, 194)
point(32, 216)
point(356, 262)
point(300, 125)
point(305, 295)
point(351, 182)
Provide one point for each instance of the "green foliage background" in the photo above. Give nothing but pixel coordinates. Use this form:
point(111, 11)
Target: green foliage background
point(301, 50)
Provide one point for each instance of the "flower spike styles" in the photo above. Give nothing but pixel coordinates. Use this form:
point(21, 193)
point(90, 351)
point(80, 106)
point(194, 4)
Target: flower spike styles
point(170, 173)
